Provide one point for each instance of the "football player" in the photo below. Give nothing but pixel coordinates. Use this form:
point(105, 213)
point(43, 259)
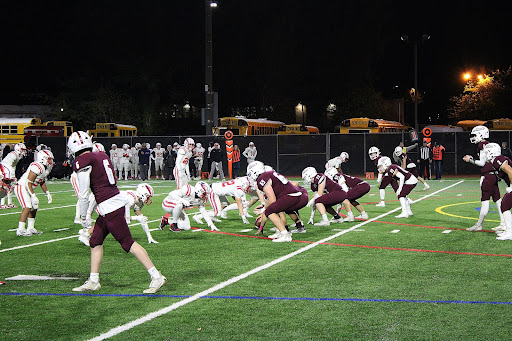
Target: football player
point(11, 161)
point(502, 165)
point(157, 154)
point(327, 193)
point(181, 171)
point(282, 197)
point(135, 161)
point(488, 180)
point(250, 152)
point(406, 182)
point(96, 172)
point(355, 189)
point(186, 197)
point(234, 188)
point(198, 159)
point(125, 156)
point(407, 164)
point(35, 175)
point(114, 157)
point(374, 154)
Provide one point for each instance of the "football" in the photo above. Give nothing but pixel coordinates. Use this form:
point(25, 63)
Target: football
point(257, 222)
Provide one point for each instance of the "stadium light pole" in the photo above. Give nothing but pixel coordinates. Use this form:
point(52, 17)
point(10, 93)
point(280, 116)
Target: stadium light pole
point(415, 42)
point(208, 87)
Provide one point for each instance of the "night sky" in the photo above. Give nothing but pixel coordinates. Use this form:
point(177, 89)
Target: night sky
point(264, 51)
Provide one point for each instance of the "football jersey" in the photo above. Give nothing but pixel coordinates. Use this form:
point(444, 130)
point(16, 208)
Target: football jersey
point(182, 158)
point(395, 168)
point(487, 167)
point(11, 160)
point(159, 153)
point(497, 163)
point(280, 184)
point(228, 188)
point(199, 152)
point(350, 181)
point(250, 153)
point(330, 186)
point(133, 200)
point(39, 170)
point(125, 155)
point(333, 163)
point(102, 178)
point(187, 193)
point(114, 155)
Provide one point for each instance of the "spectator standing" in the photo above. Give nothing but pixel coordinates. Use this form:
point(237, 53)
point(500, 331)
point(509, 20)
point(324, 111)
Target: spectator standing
point(216, 158)
point(169, 162)
point(505, 150)
point(144, 155)
point(236, 162)
point(437, 158)
point(425, 160)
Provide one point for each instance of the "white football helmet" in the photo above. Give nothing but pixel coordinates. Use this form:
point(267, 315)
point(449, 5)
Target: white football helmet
point(308, 174)
point(344, 157)
point(158, 145)
point(202, 189)
point(491, 151)
point(198, 145)
point(45, 157)
point(383, 164)
point(145, 193)
point(331, 172)
point(148, 146)
point(41, 147)
point(251, 144)
point(245, 183)
point(98, 147)
point(114, 146)
point(255, 169)
point(78, 141)
point(126, 146)
point(373, 152)
point(138, 145)
point(398, 151)
point(20, 148)
point(478, 134)
point(189, 143)
point(175, 144)
point(268, 168)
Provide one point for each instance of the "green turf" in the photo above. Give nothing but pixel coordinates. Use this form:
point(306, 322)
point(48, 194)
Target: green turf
point(365, 284)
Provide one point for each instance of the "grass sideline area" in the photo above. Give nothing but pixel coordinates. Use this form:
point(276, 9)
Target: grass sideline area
point(419, 278)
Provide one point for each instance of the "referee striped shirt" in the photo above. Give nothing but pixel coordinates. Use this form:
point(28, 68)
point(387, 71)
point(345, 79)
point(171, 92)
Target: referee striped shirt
point(424, 152)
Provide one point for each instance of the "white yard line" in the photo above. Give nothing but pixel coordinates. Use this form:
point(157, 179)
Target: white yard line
point(122, 328)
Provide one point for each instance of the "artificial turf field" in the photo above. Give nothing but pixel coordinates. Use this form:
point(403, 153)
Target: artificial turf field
point(420, 278)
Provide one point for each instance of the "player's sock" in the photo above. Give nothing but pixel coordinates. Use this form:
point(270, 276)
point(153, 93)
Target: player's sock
point(154, 273)
point(94, 277)
point(31, 222)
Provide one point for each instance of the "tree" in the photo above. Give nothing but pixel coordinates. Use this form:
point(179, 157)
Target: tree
point(487, 99)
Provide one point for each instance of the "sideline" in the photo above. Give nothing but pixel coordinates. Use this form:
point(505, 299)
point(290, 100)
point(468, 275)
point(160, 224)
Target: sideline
point(125, 327)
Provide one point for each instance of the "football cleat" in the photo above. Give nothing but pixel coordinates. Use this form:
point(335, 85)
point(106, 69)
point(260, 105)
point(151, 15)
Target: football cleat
point(339, 220)
point(163, 222)
point(156, 284)
point(381, 204)
point(363, 216)
point(283, 238)
point(500, 227)
point(349, 218)
point(275, 235)
point(426, 187)
point(32, 231)
point(402, 215)
point(84, 236)
point(476, 227)
point(323, 223)
point(88, 286)
point(299, 230)
point(174, 227)
point(21, 232)
point(504, 236)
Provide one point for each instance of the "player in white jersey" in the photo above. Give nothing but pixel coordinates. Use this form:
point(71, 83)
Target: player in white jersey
point(233, 188)
point(181, 171)
point(250, 152)
point(125, 156)
point(11, 161)
point(114, 157)
point(135, 160)
point(186, 196)
point(157, 154)
point(198, 159)
point(34, 176)
point(6, 181)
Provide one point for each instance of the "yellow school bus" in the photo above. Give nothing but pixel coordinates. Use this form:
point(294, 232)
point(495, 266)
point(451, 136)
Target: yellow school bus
point(113, 130)
point(371, 125)
point(297, 129)
point(12, 129)
point(240, 125)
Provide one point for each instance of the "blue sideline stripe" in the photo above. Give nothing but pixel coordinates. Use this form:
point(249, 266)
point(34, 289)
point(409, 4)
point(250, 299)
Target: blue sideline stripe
point(260, 298)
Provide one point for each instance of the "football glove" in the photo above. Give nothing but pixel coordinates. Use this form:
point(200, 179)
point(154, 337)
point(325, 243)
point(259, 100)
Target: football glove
point(49, 197)
point(34, 201)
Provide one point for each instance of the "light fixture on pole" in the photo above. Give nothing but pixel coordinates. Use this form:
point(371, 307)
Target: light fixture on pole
point(208, 87)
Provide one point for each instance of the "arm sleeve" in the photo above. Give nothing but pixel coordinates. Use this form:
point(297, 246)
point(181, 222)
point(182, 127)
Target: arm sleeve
point(401, 177)
point(482, 159)
point(83, 176)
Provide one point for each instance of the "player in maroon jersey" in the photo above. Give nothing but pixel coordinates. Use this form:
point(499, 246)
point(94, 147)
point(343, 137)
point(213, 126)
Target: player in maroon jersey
point(502, 165)
point(374, 154)
point(355, 189)
point(282, 196)
point(406, 182)
point(407, 164)
point(488, 180)
point(96, 172)
point(327, 194)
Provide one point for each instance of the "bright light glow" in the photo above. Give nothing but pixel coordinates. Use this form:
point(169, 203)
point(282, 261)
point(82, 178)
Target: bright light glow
point(480, 77)
point(213, 4)
point(467, 76)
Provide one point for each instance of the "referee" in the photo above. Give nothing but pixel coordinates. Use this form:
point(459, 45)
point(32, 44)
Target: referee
point(425, 160)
